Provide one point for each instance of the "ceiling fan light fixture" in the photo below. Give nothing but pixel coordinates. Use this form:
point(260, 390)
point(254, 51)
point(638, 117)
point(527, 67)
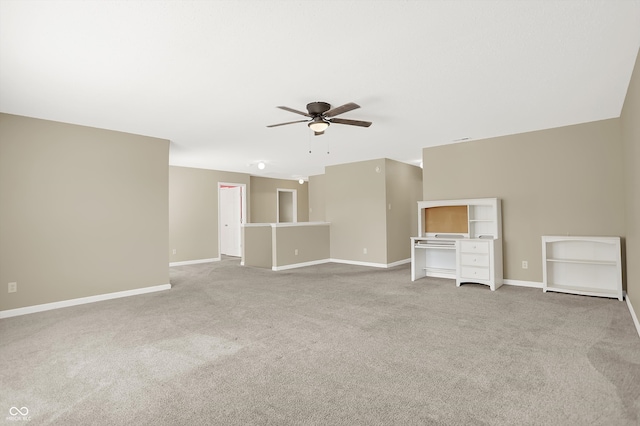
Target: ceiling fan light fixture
point(318, 125)
point(322, 116)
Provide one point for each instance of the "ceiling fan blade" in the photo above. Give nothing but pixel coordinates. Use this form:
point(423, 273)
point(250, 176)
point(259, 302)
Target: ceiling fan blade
point(341, 109)
point(351, 122)
point(318, 133)
point(288, 122)
point(295, 111)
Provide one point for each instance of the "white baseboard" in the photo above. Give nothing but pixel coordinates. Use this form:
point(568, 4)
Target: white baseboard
point(399, 262)
point(633, 315)
point(299, 265)
point(519, 283)
point(81, 301)
point(194, 262)
point(374, 265)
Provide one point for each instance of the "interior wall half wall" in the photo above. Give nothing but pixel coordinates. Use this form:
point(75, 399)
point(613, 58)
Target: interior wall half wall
point(356, 208)
point(403, 186)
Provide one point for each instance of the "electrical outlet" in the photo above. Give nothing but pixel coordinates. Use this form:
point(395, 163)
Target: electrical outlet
point(174, 251)
point(295, 252)
point(525, 264)
point(13, 287)
point(364, 250)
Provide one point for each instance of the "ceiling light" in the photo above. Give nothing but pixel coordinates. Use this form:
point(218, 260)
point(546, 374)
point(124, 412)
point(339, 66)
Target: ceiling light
point(261, 165)
point(318, 125)
point(300, 181)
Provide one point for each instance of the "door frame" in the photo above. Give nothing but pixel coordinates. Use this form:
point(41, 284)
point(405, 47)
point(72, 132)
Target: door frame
point(243, 220)
point(294, 201)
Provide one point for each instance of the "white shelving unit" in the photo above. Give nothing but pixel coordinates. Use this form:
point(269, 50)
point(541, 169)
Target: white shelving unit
point(463, 244)
point(484, 217)
point(590, 266)
point(483, 220)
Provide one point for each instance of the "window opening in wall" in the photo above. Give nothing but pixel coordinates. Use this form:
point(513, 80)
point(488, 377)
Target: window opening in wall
point(287, 205)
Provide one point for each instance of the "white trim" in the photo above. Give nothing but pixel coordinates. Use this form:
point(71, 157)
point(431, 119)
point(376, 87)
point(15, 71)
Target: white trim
point(298, 224)
point(81, 301)
point(532, 284)
point(285, 224)
point(299, 265)
point(375, 265)
point(633, 314)
point(193, 262)
point(398, 263)
point(348, 262)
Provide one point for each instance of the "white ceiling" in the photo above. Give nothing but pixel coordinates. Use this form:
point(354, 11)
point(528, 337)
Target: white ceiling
point(208, 75)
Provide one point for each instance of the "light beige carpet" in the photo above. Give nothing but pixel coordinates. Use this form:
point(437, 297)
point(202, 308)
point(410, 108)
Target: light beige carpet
point(330, 344)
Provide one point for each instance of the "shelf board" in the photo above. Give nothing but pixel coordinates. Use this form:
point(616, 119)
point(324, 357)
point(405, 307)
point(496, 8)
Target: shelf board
point(601, 292)
point(585, 261)
point(422, 246)
point(441, 270)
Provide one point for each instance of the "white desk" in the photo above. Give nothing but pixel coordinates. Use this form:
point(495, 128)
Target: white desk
point(475, 260)
point(459, 239)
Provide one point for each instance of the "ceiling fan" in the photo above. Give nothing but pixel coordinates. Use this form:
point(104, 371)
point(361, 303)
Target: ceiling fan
point(322, 115)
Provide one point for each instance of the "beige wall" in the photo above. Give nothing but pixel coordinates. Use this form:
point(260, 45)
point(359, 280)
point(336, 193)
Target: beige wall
point(84, 211)
point(257, 245)
point(630, 125)
point(370, 204)
point(567, 180)
point(356, 208)
point(317, 200)
point(403, 191)
point(264, 200)
point(193, 211)
point(311, 241)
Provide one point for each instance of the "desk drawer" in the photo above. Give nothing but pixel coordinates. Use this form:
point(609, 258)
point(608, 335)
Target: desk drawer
point(474, 246)
point(471, 273)
point(468, 259)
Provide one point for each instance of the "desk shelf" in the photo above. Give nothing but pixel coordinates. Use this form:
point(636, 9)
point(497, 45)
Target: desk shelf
point(433, 258)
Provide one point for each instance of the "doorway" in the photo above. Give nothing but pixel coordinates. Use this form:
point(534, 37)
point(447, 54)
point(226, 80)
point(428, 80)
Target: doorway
point(232, 213)
point(287, 207)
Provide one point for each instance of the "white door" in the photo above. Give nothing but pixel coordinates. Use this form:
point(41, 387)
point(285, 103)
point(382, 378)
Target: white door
point(230, 220)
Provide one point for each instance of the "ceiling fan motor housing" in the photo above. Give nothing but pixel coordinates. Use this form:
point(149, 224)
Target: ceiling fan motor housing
point(318, 108)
